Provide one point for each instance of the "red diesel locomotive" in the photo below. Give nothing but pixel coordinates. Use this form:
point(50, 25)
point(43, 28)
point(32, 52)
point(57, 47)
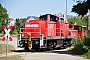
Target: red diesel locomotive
point(49, 31)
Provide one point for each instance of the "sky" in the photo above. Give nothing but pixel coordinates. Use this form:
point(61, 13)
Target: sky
point(24, 8)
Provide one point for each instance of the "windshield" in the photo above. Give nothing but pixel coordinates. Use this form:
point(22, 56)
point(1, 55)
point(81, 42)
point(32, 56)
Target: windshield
point(53, 18)
point(44, 17)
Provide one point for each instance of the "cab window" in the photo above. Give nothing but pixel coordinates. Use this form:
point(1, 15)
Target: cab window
point(44, 17)
point(53, 18)
point(61, 20)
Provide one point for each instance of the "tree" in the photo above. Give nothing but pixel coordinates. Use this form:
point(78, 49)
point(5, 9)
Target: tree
point(78, 21)
point(3, 16)
point(81, 8)
point(19, 23)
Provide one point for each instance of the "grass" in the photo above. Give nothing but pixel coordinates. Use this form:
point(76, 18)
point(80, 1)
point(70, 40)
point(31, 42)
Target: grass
point(15, 57)
point(13, 35)
point(3, 48)
point(0, 34)
point(87, 54)
point(10, 48)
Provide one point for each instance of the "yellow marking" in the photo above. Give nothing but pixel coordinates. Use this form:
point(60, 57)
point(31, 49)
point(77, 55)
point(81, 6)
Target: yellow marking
point(30, 44)
point(29, 41)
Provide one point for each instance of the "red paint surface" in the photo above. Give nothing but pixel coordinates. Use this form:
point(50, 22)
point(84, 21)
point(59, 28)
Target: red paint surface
point(51, 28)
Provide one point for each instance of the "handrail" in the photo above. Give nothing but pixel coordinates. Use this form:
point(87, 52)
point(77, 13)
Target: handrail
point(46, 29)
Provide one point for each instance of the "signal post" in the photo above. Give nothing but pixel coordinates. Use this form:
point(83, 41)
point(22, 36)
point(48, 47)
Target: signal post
point(7, 36)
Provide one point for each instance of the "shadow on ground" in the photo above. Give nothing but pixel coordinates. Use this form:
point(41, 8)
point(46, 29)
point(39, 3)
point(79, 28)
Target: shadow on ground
point(58, 51)
point(32, 51)
point(61, 52)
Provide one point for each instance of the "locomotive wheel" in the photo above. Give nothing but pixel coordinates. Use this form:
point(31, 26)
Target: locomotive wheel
point(36, 47)
point(48, 48)
point(65, 44)
point(69, 43)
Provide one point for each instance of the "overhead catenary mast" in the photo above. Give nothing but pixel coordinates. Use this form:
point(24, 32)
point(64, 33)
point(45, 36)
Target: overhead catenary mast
point(66, 12)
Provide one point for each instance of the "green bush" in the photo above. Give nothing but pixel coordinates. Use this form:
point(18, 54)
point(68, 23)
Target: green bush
point(87, 47)
point(78, 21)
point(78, 49)
point(13, 32)
point(82, 47)
point(78, 46)
point(78, 41)
point(88, 54)
point(87, 42)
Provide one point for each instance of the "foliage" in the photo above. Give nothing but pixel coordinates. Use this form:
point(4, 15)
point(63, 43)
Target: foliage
point(85, 47)
point(3, 16)
point(81, 8)
point(78, 41)
point(87, 42)
point(88, 33)
point(78, 21)
point(78, 49)
point(88, 53)
point(19, 23)
point(82, 47)
point(14, 32)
